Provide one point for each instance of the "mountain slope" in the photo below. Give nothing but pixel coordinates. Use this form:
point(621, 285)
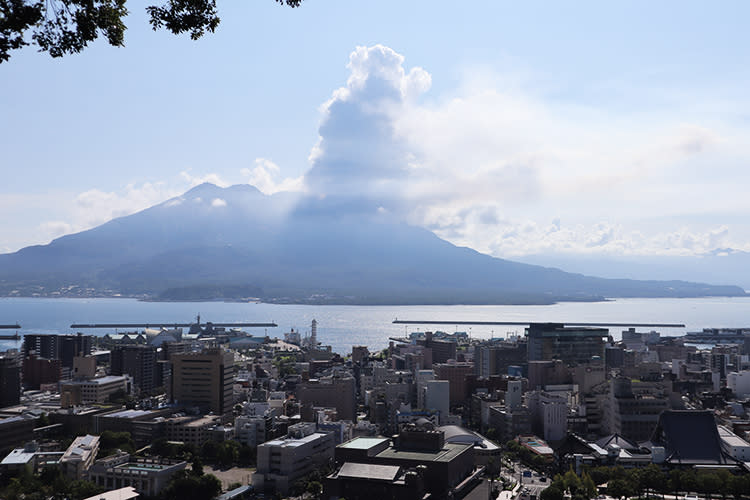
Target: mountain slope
point(291, 249)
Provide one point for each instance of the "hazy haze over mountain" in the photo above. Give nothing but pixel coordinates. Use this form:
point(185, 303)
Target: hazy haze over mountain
point(298, 248)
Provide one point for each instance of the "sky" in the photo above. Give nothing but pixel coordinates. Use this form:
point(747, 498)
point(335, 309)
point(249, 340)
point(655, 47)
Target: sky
point(515, 128)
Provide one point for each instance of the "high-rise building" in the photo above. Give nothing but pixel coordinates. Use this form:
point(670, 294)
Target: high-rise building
point(455, 374)
point(572, 345)
point(329, 392)
point(204, 379)
point(37, 371)
point(437, 397)
point(442, 350)
point(421, 377)
point(138, 361)
point(54, 346)
point(10, 380)
point(314, 334)
point(633, 408)
point(359, 353)
point(514, 394)
point(549, 415)
point(495, 357)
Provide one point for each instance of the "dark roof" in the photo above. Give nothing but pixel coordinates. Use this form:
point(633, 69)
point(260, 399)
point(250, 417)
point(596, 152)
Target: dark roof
point(621, 441)
point(571, 444)
point(689, 437)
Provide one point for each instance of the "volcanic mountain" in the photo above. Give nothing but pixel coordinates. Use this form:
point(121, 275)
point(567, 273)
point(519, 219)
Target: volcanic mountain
point(236, 242)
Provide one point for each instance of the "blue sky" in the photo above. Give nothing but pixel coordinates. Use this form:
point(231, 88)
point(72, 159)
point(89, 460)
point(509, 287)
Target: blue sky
point(589, 127)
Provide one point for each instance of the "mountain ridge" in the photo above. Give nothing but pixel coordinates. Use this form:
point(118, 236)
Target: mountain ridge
point(295, 248)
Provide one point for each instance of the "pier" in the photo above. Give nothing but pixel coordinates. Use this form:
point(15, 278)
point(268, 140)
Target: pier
point(13, 336)
point(526, 323)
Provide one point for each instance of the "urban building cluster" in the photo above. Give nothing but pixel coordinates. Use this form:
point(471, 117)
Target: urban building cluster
point(430, 416)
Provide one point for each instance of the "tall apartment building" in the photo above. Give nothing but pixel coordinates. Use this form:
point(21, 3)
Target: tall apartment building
point(54, 346)
point(10, 380)
point(138, 361)
point(204, 379)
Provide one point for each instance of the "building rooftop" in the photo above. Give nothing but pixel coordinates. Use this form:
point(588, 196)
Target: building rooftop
point(689, 437)
point(363, 443)
point(237, 492)
point(99, 381)
point(203, 421)
point(730, 438)
point(536, 445)
point(122, 494)
point(291, 442)
point(369, 471)
point(618, 440)
point(128, 414)
point(19, 456)
point(457, 434)
point(81, 448)
point(447, 453)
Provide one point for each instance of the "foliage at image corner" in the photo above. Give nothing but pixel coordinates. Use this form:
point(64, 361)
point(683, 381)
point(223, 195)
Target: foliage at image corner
point(62, 27)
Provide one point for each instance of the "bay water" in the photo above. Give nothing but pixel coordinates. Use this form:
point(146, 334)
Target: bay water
point(345, 326)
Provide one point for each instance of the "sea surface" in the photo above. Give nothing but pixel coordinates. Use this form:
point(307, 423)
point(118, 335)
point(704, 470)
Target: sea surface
point(345, 326)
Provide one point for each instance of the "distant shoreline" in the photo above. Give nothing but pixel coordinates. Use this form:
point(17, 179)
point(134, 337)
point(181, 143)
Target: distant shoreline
point(353, 301)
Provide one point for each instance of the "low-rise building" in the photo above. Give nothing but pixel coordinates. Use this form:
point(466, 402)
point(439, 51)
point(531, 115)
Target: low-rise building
point(28, 456)
point(15, 431)
point(281, 462)
point(96, 390)
point(447, 468)
point(19, 458)
point(738, 448)
point(127, 493)
point(79, 456)
point(147, 475)
point(252, 430)
point(191, 430)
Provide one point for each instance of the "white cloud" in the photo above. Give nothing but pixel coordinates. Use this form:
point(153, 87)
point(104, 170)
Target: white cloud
point(94, 207)
point(54, 229)
point(195, 180)
point(86, 210)
point(486, 165)
point(359, 157)
point(175, 202)
point(264, 175)
point(218, 202)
